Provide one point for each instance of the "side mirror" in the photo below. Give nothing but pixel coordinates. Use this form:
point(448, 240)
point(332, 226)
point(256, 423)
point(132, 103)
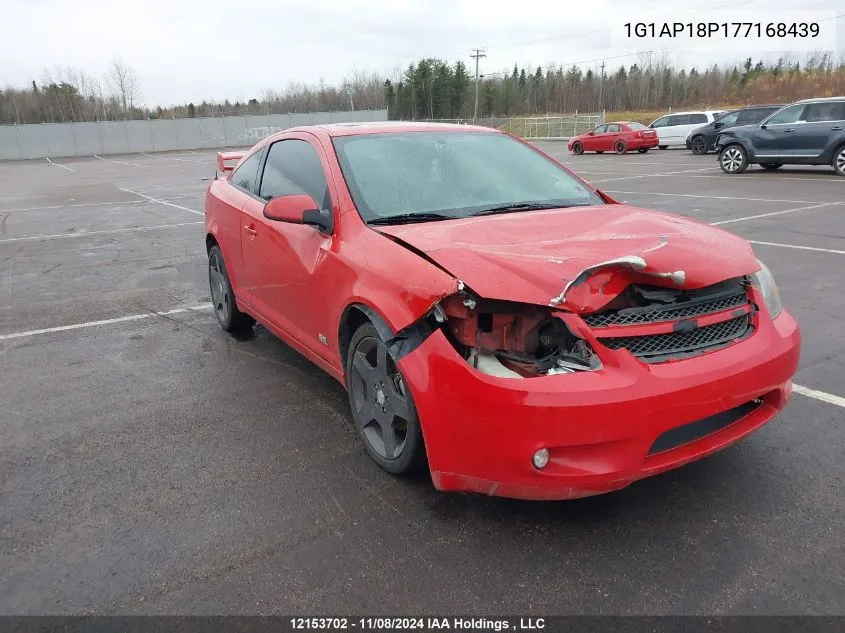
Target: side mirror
point(590, 133)
point(298, 209)
point(718, 125)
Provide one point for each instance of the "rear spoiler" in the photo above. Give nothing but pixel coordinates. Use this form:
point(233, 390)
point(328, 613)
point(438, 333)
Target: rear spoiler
point(233, 157)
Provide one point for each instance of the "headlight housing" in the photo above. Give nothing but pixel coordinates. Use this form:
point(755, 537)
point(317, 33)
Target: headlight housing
point(769, 289)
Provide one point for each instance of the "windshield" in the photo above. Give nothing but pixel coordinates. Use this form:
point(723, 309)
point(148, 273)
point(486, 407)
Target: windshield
point(452, 174)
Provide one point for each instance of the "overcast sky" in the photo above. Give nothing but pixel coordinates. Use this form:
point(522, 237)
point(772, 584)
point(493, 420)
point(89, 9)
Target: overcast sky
point(190, 50)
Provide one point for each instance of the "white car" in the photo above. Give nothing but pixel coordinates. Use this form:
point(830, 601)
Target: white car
point(673, 129)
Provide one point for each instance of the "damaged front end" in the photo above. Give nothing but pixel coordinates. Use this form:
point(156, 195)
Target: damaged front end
point(503, 338)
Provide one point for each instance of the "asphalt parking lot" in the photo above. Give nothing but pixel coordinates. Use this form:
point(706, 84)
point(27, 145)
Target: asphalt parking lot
point(150, 463)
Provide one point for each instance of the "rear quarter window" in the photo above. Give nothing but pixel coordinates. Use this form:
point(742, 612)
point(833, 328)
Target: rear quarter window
point(697, 118)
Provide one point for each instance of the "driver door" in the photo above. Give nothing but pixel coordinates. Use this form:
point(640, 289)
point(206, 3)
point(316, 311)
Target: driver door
point(284, 262)
point(592, 142)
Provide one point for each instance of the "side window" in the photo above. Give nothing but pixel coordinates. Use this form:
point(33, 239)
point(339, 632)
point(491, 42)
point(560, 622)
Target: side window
point(600, 129)
point(293, 167)
point(750, 116)
point(661, 122)
point(244, 176)
point(697, 118)
point(823, 112)
point(787, 115)
point(613, 127)
point(730, 119)
point(678, 119)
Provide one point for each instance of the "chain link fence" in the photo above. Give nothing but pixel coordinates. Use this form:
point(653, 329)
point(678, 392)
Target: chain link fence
point(536, 128)
point(57, 140)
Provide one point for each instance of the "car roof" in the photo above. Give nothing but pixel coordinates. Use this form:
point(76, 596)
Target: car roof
point(384, 127)
point(821, 100)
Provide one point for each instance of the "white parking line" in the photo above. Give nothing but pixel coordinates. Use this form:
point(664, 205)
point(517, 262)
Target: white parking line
point(119, 162)
point(87, 324)
point(819, 395)
point(802, 248)
point(181, 160)
point(691, 195)
point(61, 236)
point(72, 206)
point(767, 215)
point(52, 164)
point(781, 177)
point(668, 173)
point(159, 201)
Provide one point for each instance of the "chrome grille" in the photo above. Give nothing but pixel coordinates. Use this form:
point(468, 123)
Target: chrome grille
point(656, 345)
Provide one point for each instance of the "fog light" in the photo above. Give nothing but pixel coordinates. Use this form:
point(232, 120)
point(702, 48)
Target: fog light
point(541, 458)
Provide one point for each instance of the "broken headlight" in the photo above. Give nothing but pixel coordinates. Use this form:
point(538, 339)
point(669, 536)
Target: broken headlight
point(507, 339)
point(769, 289)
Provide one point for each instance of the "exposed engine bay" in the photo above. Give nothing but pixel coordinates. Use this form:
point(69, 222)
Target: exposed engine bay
point(508, 339)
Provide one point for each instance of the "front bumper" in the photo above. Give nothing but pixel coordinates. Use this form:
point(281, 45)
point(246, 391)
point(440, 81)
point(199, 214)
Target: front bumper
point(481, 431)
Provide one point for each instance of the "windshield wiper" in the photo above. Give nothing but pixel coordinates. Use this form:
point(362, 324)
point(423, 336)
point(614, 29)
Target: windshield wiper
point(519, 206)
point(407, 218)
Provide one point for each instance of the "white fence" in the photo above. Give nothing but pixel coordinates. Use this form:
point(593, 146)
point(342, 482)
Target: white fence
point(55, 140)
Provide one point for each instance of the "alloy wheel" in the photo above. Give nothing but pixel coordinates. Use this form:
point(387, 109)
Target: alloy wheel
point(379, 398)
point(221, 293)
point(839, 162)
point(732, 159)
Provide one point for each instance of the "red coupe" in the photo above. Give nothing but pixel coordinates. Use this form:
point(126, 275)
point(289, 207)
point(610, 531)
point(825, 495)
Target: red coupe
point(619, 137)
point(492, 316)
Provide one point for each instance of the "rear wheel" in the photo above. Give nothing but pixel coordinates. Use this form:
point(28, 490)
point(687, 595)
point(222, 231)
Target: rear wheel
point(733, 159)
point(698, 145)
point(620, 147)
point(577, 148)
point(771, 166)
point(643, 150)
point(222, 298)
point(662, 146)
point(839, 161)
point(382, 407)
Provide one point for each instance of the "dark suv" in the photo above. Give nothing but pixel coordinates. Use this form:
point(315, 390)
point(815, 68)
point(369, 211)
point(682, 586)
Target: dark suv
point(703, 139)
point(809, 132)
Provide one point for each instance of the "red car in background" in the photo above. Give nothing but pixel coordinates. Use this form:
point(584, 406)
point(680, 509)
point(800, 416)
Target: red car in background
point(494, 318)
point(619, 137)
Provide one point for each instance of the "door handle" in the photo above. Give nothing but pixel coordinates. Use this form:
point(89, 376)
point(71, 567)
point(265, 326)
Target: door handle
point(792, 129)
point(837, 128)
point(251, 230)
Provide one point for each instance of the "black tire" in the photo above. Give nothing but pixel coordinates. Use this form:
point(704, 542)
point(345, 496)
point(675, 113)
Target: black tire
point(662, 146)
point(733, 159)
point(599, 151)
point(620, 147)
point(838, 161)
point(698, 145)
point(222, 297)
point(577, 148)
point(771, 166)
point(643, 150)
point(382, 404)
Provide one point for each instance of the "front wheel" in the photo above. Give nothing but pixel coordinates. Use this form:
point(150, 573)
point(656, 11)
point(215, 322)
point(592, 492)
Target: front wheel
point(839, 161)
point(771, 166)
point(733, 159)
point(577, 148)
point(698, 145)
point(620, 147)
point(382, 407)
point(222, 297)
point(662, 146)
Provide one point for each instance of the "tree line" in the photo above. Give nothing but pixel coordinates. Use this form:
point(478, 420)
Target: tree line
point(435, 89)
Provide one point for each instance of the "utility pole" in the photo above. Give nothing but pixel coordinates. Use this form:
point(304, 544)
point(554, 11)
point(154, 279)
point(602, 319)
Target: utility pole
point(477, 54)
point(601, 89)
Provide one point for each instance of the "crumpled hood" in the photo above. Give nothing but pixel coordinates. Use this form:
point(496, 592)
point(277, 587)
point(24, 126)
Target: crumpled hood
point(529, 256)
